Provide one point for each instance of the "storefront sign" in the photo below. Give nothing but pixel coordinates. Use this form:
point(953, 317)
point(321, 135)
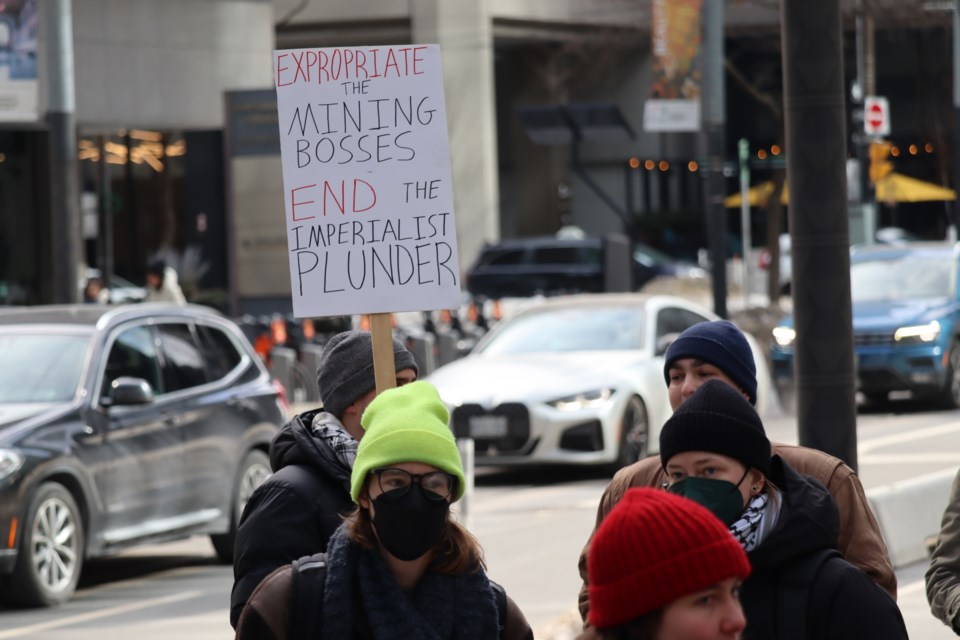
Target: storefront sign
point(367, 181)
point(674, 102)
point(18, 62)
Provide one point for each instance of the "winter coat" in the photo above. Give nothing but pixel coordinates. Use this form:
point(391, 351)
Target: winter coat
point(294, 512)
point(943, 575)
point(842, 602)
point(860, 540)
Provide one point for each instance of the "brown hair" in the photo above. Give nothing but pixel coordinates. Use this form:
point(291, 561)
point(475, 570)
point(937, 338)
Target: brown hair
point(457, 552)
point(643, 628)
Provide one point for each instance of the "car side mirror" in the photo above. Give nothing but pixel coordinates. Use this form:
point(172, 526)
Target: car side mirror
point(664, 342)
point(130, 391)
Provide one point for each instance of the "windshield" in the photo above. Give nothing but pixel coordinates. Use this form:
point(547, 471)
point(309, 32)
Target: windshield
point(40, 367)
point(571, 329)
point(904, 277)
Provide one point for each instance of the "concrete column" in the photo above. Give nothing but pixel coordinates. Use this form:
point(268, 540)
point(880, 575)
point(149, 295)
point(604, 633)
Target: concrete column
point(464, 32)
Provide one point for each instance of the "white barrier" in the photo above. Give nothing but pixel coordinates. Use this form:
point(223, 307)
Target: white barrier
point(909, 512)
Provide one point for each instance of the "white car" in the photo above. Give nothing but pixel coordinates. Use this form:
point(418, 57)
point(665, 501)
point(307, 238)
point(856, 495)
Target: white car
point(575, 379)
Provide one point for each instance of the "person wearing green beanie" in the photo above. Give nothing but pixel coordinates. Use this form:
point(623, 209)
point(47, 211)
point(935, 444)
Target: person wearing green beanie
point(399, 566)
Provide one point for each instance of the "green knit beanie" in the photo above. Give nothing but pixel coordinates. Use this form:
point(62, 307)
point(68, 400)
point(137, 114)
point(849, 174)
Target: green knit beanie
point(406, 424)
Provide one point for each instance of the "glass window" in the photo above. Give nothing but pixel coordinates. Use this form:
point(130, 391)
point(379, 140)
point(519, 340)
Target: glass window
point(588, 328)
point(183, 363)
point(904, 277)
point(671, 322)
point(133, 354)
point(219, 352)
point(502, 258)
point(556, 255)
point(40, 367)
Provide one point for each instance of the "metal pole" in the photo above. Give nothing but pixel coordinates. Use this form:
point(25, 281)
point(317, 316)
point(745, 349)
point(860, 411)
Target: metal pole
point(66, 238)
point(467, 455)
point(743, 149)
point(106, 216)
point(868, 206)
point(714, 124)
point(819, 227)
point(956, 115)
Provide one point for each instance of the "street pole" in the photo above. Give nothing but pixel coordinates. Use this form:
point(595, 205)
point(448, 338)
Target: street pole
point(743, 151)
point(61, 125)
point(816, 172)
point(714, 125)
point(866, 80)
point(956, 116)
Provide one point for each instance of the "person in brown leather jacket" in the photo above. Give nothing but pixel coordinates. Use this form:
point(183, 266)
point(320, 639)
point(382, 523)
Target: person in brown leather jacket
point(943, 575)
point(719, 350)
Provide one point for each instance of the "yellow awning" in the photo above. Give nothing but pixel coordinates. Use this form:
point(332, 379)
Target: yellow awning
point(895, 187)
point(757, 196)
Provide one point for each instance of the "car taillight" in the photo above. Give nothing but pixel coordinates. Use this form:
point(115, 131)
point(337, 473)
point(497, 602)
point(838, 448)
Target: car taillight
point(281, 394)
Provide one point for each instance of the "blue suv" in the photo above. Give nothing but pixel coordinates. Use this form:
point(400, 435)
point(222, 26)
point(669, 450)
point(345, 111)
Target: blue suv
point(906, 323)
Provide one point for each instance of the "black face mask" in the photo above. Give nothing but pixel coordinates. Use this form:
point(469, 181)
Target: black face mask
point(409, 525)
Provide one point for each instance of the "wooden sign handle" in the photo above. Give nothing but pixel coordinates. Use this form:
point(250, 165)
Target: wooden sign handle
point(384, 367)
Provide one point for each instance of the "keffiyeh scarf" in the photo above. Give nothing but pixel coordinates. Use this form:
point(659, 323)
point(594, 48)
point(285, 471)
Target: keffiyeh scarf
point(746, 529)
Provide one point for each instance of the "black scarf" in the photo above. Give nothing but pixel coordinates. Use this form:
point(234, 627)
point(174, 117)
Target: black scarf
point(441, 607)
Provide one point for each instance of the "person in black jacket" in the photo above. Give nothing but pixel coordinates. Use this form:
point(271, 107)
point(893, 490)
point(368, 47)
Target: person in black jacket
point(715, 451)
point(298, 508)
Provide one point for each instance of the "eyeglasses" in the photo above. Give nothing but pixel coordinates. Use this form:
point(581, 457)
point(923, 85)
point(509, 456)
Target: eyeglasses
point(436, 485)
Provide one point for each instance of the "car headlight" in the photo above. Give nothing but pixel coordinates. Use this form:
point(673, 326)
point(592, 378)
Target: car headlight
point(918, 333)
point(784, 335)
point(10, 461)
point(585, 400)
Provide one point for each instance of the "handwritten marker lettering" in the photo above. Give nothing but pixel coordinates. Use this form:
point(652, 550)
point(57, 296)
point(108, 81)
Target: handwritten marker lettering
point(366, 167)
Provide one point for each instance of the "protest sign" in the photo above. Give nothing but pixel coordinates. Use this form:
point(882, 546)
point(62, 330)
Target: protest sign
point(367, 182)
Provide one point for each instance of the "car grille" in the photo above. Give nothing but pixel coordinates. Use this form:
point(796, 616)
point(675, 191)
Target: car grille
point(517, 430)
point(873, 339)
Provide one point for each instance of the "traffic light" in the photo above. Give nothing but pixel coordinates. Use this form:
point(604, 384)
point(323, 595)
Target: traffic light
point(880, 165)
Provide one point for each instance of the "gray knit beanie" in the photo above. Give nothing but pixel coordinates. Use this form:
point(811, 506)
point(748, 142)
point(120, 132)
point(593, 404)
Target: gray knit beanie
point(345, 372)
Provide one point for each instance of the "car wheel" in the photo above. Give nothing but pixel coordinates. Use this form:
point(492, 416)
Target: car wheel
point(51, 550)
point(251, 474)
point(634, 433)
point(951, 388)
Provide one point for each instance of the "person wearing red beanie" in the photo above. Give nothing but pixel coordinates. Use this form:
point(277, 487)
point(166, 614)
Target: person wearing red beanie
point(662, 567)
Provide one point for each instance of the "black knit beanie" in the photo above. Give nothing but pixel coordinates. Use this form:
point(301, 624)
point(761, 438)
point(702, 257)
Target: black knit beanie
point(717, 418)
point(345, 373)
point(721, 344)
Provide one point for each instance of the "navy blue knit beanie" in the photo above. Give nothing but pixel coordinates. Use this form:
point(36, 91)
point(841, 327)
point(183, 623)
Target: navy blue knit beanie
point(721, 344)
point(345, 373)
point(716, 418)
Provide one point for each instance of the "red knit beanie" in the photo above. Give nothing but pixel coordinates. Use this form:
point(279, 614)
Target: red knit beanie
point(653, 548)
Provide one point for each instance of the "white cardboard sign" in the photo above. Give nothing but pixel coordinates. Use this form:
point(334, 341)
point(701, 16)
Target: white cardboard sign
point(367, 182)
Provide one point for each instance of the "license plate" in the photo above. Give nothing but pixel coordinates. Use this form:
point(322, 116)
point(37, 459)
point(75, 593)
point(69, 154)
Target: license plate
point(488, 427)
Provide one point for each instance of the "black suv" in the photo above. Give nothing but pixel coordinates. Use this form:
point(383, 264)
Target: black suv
point(119, 426)
point(548, 265)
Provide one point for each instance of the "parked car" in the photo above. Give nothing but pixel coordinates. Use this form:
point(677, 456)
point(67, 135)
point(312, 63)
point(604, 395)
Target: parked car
point(906, 322)
point(120, 426)
point(550, 266)
point(574, 379)
point(895, 236)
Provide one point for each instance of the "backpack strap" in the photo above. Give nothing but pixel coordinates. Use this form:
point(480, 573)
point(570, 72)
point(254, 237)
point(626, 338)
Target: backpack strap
point(309, 584)
point(500, 600)
point(793, 596)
